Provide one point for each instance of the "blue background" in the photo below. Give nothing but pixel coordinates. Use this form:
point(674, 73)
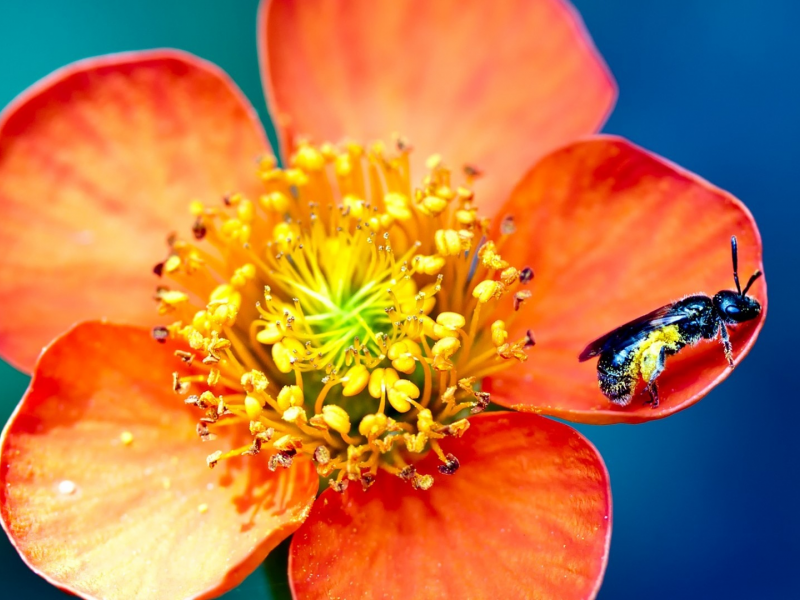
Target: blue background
point(705, 502)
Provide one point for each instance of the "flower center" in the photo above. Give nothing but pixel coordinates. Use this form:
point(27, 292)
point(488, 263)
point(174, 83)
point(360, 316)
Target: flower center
point(344, 315)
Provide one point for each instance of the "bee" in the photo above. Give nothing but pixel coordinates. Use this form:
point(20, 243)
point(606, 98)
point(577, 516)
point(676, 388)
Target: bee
point(639, 349)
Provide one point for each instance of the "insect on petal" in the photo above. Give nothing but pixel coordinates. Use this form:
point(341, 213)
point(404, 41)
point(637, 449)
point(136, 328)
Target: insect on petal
point(612, 233)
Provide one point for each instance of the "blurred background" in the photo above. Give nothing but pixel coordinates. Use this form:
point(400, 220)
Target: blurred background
point(705, 502)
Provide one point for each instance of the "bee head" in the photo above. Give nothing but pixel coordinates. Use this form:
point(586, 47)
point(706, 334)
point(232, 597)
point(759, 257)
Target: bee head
point(737, 307)
point(734, 307)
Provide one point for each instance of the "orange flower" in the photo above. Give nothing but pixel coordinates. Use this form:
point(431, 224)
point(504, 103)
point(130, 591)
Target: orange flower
point(394, 305)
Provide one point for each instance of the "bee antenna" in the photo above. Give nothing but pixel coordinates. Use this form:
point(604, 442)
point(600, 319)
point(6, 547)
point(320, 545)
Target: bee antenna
point(735, 257)
point(753, 278)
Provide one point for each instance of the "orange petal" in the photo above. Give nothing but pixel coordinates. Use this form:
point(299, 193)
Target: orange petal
point(527, 514)
point(613, 232)
point(98, 164)
point(103, 518)
point(495, 85)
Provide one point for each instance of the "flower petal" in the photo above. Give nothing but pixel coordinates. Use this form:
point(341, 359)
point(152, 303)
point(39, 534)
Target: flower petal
point(103, 518)
point(495, 85)
point(98, 164)
point(613, 232)
point(527, 514)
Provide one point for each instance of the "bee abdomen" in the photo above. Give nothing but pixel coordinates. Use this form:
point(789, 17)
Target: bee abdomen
point(615, 376)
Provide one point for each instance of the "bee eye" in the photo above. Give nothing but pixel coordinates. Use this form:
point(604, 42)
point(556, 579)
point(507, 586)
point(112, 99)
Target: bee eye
point(732, 310)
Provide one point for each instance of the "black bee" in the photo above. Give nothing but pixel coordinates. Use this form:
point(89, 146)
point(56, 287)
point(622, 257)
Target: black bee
point(640, 348)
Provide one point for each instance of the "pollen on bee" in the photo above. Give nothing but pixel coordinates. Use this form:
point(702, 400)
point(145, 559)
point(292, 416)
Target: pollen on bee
point(348, 315)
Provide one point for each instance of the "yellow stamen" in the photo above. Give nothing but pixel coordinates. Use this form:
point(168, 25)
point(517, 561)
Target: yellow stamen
point(330, 302)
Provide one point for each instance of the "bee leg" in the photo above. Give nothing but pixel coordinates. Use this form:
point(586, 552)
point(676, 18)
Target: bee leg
point(726, 343)
point(652, 389)
point(658, 368)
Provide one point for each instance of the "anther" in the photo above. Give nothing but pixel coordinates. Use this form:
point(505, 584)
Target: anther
point(296, 415)
point(336, 418)
point(416, 442)
point(402, 356)
point(210, 416)
point(499, 333)
point(338, 486)
point(422, 482)
point(355, 380)
point(401, 143)
point(160, 334)
point(448, 242)
point(450, 321)
point(509, 276)
point(456, 429)
point(204, 434)
point(433, 206)
point(450, 467)
point(288, 444)
point(254, 448)
point(186, 357)
point(178, 386)
point(520, 297)
point(401, 393)
point(407, 473)
point(526, 275)
point(199, 229)
point(507, 225)
point(372, 426)
point(443, 350)
point(275, 201)
point(281, 459)
point(486, 290)
point(213, 458)
point(482, 402)
point(381, 380)
point(322, 455)
point(367, 481)
point(290, 395)
point(472, 171)
point(265, 435)
point(530, 341)
point(254, 381)
point(253, 408)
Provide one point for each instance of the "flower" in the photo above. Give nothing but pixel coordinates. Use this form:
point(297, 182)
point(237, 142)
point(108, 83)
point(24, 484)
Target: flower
point(102, 455)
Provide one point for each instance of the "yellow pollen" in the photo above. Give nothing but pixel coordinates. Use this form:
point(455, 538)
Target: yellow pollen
point(355, 380)
point(347, 317)
point(290, 395)
point(336, 418)
point(253, 407)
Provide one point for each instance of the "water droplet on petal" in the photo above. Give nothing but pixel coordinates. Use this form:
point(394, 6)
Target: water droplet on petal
point(67, 487)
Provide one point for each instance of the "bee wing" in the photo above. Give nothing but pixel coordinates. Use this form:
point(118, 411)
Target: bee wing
point(625, 335)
